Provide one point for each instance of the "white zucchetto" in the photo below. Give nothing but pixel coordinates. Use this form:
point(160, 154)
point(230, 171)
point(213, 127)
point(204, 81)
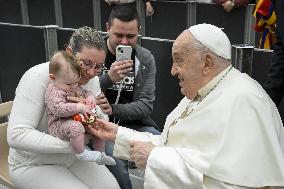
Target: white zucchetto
point(213, 38)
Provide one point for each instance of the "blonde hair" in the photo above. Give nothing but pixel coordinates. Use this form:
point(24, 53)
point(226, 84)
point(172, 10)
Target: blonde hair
point(56, 64)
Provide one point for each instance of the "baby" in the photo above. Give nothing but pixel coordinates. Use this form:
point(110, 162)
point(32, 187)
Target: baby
point(64, 72)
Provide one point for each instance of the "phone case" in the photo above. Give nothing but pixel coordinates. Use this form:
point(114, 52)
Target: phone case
point(123, 52)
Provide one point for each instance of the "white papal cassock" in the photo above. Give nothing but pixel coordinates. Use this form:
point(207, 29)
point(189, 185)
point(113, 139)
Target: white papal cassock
point(232, 138)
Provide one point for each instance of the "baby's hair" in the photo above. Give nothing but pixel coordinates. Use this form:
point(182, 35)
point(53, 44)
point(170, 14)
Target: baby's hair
point(60, 58)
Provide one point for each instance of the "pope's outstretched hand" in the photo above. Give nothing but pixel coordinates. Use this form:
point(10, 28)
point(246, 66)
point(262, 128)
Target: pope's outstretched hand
point(104, 130)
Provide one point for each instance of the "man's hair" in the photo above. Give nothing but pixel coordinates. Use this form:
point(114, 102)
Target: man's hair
point(86, 37)
point(125, 13)
point(61, 59)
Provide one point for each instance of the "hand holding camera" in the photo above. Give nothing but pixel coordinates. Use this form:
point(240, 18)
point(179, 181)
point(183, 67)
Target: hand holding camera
point(123, 64)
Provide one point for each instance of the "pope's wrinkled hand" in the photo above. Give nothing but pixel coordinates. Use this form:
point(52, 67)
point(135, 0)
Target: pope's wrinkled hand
point(139, 152)
point(104, 130)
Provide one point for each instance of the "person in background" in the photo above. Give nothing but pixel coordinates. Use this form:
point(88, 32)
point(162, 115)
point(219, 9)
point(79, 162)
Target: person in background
point(132, 101)
point(225, 133)
point(149, 8)
point(148, 5)
point(265, 23)
point(274, 84)
point(229, 5)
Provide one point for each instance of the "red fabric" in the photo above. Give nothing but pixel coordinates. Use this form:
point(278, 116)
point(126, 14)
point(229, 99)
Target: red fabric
point(264, 8)
point(77, 117)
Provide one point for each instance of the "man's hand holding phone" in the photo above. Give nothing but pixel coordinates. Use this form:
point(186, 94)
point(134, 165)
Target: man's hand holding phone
point(123, 64)
point(119, 69)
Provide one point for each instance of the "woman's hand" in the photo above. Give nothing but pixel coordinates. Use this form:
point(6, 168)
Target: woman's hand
point(103, 103)
point(75, 99)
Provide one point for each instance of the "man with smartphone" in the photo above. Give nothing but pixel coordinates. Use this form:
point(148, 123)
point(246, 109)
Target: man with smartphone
point(128, 81)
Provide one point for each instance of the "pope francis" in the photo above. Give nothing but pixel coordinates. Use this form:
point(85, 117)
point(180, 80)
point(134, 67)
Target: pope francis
point(226, 133)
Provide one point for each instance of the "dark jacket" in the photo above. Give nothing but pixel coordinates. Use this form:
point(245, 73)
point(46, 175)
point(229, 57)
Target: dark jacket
point(274, 84)
point(144, 91)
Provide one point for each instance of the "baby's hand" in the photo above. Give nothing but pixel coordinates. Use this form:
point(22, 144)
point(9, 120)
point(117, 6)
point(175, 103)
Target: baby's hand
point(82, 108)
point(91, 101)
point(75, 99)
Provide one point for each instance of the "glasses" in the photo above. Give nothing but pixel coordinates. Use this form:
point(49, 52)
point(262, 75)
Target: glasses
point(90, 64)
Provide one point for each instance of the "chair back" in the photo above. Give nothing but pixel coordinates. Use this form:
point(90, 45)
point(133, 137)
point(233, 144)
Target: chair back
point(5, 179)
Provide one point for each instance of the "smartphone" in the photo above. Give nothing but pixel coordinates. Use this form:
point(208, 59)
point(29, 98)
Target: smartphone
point(123, 52)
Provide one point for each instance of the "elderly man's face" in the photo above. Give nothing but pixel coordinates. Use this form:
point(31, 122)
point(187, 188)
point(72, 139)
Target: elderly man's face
point(187, 65)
